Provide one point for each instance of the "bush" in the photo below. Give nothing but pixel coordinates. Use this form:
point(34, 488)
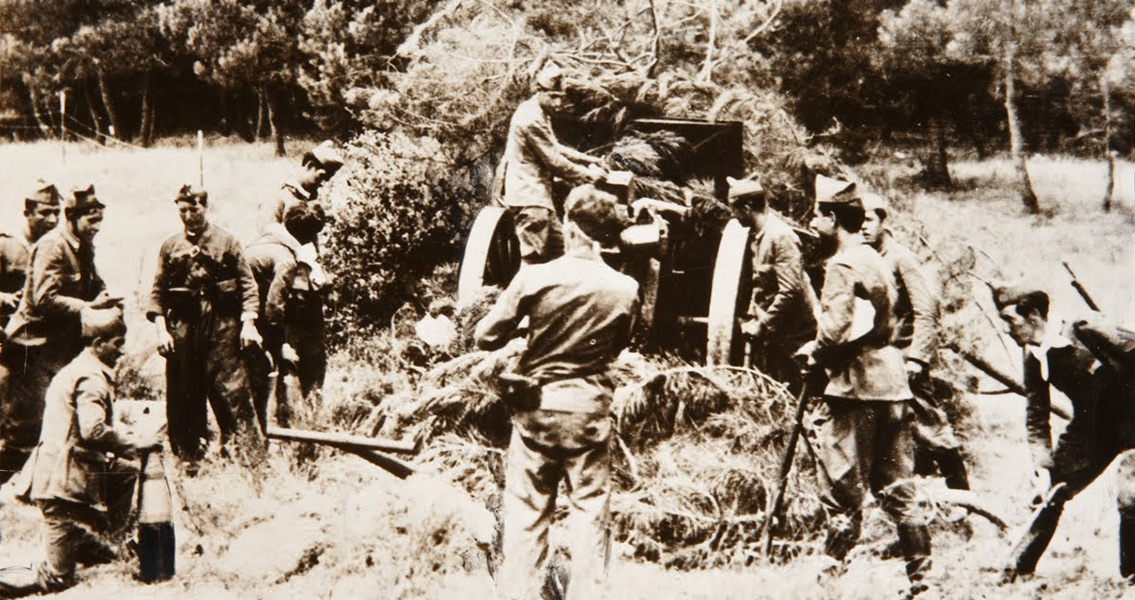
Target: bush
point(399, 209)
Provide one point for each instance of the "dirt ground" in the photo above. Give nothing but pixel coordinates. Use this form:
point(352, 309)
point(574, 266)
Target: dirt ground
point(348, 530)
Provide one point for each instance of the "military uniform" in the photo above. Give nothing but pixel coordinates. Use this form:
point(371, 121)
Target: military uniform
point(82, 485)
point(916, 313)
point(1102, 428)
point(780, 300)
point(204, 289)
point(532, 158)
point(291, 310)
point(14, 254)
point(864, 424)
point(580, 313)
point(43, 336)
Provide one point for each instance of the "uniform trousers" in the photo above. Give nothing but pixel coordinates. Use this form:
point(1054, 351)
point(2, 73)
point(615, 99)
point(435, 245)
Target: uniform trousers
point(548, 447)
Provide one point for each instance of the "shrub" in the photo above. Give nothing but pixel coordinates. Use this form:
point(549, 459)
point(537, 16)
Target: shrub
point(399, 209)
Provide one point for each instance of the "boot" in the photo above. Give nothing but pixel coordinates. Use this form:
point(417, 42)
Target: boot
point(953, 468)
point(915, 541)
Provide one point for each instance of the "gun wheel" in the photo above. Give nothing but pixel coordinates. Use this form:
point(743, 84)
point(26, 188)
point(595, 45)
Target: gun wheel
point(492, 255)
point(726, 300)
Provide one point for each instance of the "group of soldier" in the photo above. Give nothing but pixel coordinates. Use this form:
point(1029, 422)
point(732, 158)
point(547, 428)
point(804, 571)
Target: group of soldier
point(241, 329)
point(865, 346)
point(238, 326)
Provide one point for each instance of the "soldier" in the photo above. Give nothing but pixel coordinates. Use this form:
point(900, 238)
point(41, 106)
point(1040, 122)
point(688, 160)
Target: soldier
point(291, 309)
point(204, 309)
point(78, 475)
point(580, 315)
point(44, 334)
point(916, 312)
point(780, 314)
point(532, 157)
point(319, 164)
point(1093, 365)
point(41, 211)
point(865, 420)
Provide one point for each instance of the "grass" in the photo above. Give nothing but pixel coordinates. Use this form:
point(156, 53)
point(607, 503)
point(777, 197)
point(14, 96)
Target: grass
point(367, 535)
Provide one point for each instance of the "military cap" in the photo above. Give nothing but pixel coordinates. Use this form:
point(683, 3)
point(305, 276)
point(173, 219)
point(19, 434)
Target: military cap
point(1010, 293)
point(324, 154)
point(834, 191)
point(550, 78)
point(103, 323)
point(83, 198)
point(191, 193)
point(877, 203)
point(45, 193)
point(743, 188)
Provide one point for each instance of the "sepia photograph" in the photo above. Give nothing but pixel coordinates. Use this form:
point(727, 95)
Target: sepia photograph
point(567, 299)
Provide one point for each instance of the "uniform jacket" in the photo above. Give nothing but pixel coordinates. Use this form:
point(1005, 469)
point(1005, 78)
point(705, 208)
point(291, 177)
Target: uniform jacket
point(869, 367)
point(779, 283)
point(14, 253)
point(1103, 401)
point(291, 306)
point(206, 268)
point(533, 157)
point(61, 280)
point(916, 310)
point(78, 432)
point(581, 314)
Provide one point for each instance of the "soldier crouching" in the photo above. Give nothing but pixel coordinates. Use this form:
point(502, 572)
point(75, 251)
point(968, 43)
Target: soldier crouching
point(81, 475)
point(581, 314)
point(204, 307)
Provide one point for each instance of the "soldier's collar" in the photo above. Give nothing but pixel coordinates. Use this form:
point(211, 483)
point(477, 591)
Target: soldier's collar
point(196, 236)
point(104, 368)
point(1054, 337)
point(72, 239)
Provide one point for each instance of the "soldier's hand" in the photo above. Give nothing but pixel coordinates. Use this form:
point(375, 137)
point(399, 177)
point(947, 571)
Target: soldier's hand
point(805, 357)
point(105, 300)
point(596, 173)
point(288, 354)
point(752, 328)
point(914, 369)
point(9, 301)
point(249, 336)
point(165, 340)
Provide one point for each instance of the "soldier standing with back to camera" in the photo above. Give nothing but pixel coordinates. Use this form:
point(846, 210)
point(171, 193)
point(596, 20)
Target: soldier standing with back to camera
point(580, 317)
point(865, 444)
point(44, 334)
point(204, 308)
point(916, 312)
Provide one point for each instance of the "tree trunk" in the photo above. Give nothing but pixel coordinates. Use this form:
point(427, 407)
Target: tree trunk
point(1008, 72)
point(45, 128)
point(97, 123)
point(937, 163)
point(273, 124)
point(146, 126)
point(1105, 88)
point(258, 133)
point(107, 102)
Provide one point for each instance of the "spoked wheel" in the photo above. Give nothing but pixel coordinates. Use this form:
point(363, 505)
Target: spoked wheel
point(492, 255)
point(726, 298)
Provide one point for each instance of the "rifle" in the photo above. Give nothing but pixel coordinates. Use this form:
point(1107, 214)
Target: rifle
point(786, 463)
point(1081, 289)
